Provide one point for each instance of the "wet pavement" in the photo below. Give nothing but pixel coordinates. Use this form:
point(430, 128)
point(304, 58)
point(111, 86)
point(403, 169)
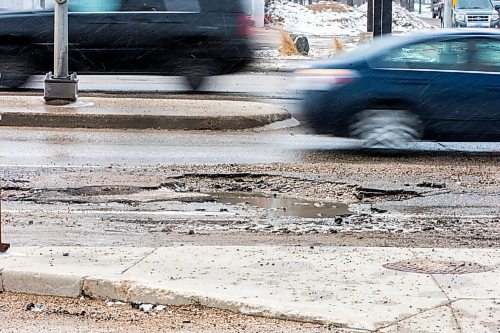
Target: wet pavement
point(271, 187)
point(284, 207)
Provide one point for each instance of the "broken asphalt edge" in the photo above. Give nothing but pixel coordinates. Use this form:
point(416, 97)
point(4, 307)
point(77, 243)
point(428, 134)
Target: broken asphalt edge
point(74, 286)
point(134, 113)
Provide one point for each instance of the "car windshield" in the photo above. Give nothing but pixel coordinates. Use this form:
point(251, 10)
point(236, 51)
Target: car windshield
point(378, 45)
point(474, 4)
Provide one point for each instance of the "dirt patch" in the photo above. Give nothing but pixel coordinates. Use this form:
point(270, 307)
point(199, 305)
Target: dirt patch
point(287, 46)
point(328, 6)
point(86, 315)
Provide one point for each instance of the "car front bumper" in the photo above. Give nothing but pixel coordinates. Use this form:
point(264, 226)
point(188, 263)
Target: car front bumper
point(465, 24)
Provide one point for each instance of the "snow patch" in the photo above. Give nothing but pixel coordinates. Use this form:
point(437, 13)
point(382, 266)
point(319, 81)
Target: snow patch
point(338, 20)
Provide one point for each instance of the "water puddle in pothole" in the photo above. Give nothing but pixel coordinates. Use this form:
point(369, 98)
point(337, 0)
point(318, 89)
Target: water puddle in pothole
point(285, 207)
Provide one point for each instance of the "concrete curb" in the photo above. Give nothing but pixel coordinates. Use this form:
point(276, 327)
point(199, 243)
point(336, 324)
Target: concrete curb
point(41, 283)
point(72, 286)
point(135, 113)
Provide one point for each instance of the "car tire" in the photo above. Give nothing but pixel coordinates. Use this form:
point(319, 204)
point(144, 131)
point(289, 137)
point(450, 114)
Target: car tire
point(195, 81)
point(386, 128)
point(196, 72)
point(14, 71)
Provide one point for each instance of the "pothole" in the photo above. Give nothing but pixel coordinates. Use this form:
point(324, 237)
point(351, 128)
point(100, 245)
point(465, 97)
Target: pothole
point(437, 267)
point(285, 207)
point(102, 190)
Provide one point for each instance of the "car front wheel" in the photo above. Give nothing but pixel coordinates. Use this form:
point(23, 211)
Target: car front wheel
point(386, 128)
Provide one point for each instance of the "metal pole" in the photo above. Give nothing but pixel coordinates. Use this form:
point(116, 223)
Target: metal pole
point(61, 39)
point(60, 87)
point(386, 17)
point(369, 16)
point(3, 246)
point(420, 6)
point(377, 18)
point(447, 21)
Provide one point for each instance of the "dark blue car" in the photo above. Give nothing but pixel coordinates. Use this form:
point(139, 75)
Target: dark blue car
point(442, 86)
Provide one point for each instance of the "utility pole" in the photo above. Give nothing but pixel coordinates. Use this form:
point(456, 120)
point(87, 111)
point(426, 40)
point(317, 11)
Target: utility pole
point(369, 16)
point(60, 87)
point(447, 15)
point(382, 17)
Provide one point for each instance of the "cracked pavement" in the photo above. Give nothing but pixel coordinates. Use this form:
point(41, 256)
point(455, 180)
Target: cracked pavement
point(401, 203)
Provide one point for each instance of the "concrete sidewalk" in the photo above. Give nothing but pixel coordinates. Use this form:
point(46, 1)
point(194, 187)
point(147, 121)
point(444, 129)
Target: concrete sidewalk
point(347, 287)
point(137, 113)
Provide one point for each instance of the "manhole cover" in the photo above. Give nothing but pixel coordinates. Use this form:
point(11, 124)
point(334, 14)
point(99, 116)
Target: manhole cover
point(437, 267)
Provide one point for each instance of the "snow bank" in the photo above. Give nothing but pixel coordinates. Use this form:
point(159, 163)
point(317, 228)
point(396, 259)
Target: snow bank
point(336, 19)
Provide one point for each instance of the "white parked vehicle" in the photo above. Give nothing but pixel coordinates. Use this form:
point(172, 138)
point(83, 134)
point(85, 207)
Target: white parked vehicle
point(475, 14)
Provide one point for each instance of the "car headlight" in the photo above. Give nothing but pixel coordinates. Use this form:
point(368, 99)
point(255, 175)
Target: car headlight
point(460, 17)
point(323, 79)
point(494, 17)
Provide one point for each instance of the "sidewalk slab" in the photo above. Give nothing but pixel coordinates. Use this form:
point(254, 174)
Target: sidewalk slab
point(320, 284)
point(468, 311)
point(137, 113)
point(79, 261)
point(343, 286)
point(478, 285)
point(438, 320)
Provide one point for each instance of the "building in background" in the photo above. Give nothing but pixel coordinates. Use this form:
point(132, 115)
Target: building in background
point(21, 4)
point(255, 9)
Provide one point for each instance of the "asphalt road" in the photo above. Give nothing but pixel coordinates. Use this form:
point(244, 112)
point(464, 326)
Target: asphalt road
point(38, 147)
point(82, 187)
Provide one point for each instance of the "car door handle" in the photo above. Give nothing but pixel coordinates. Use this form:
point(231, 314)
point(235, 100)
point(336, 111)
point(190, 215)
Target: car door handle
point(410, 81)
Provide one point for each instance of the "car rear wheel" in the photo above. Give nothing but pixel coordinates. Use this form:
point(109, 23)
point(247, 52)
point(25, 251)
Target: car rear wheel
point(386, 128)
point(14, 71)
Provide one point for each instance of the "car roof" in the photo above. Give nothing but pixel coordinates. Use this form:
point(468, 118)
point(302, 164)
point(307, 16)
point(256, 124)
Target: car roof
point(381, 44)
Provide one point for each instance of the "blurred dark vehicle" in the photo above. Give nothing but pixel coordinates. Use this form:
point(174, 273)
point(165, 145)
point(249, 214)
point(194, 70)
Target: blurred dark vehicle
point(191, 38)
point(442, 86)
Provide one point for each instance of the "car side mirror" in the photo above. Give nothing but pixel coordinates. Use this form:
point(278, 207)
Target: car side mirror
point(497, 8)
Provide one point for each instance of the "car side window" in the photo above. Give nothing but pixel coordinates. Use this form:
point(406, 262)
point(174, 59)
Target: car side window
point(438, 55)
point(485, 55)
point(182, 5)
point(161, 5)
point(143, 5)
point(94, 5)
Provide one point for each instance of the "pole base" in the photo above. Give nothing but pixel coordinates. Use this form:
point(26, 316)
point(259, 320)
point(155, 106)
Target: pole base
point(61, 90)
point(4, 247)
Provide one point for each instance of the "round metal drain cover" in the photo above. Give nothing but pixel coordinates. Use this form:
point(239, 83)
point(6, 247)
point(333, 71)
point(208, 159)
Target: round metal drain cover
point(437, 267)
